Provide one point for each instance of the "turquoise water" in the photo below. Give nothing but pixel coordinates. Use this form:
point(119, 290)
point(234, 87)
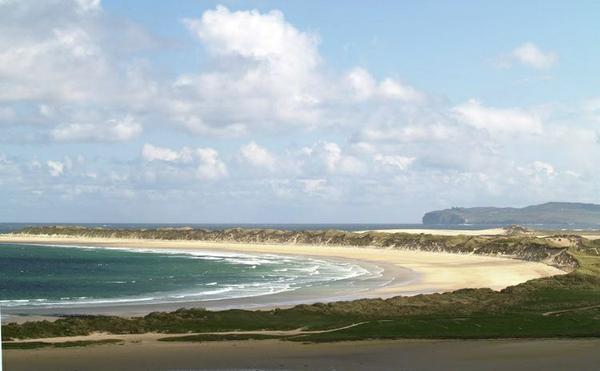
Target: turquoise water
point(32, 275)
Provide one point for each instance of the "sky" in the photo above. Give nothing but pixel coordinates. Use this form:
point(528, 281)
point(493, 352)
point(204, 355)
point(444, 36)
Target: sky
point(294, 111)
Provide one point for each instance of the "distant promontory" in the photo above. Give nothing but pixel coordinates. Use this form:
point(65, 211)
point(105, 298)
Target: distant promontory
point(547, 213)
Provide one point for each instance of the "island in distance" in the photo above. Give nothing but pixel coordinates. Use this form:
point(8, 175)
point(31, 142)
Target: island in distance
point(550, 213)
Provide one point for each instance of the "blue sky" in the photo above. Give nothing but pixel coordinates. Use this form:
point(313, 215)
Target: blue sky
point(268, 111)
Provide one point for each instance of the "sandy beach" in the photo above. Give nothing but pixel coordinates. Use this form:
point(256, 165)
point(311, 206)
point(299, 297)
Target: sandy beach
point(432, 272)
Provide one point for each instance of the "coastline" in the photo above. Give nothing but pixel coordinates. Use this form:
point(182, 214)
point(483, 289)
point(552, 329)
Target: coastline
point(435, 271)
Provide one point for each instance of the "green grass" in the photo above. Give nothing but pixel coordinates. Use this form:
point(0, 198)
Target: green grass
point(476, 326)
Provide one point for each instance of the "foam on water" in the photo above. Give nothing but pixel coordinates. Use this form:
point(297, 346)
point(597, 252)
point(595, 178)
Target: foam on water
point(279, 274)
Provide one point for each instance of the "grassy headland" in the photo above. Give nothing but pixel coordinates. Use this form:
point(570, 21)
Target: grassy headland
point(557, 213)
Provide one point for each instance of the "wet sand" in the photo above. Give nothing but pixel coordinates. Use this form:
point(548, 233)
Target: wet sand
point(514, 355)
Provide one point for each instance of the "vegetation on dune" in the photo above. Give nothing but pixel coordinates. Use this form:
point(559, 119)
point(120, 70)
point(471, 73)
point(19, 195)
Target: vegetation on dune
point(521, 247)
point(559, 306)
point(65, 344)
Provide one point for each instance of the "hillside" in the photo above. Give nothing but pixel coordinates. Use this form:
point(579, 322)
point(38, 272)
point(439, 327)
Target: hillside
point(549, 213)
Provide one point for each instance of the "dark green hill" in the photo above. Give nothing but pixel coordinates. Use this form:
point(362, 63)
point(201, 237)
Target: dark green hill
point(548, 213)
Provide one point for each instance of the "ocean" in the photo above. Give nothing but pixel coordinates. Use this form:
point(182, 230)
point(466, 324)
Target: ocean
point(54, 276)
point(11, 227)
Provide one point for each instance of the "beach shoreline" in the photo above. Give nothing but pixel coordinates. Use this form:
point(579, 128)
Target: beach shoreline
point(433, 271)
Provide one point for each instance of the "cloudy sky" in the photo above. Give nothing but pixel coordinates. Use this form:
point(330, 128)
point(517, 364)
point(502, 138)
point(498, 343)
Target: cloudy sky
point(268, 111)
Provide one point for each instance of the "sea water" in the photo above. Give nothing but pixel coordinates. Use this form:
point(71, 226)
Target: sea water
point(60, 276)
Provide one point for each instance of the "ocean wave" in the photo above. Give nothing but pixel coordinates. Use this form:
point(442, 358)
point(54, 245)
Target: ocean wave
point(284, 274)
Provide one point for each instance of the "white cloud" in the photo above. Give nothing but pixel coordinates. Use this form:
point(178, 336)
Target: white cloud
point(313, 185)
point(362, 83)
point(76, 64)
point(268, 71)
point(409, 133)
point(498, 120)
point(527, 54)
point(258, 156)
point(365, 87)
point(537, 173)
point(89, 5)
point(114, 130)
point(394, 161)
point(56, 168)
point(337, 162)
point(153, 153)
point(211, 167)
point(392, 89)
point(30, 69)
point(204, 162)
point(537, 168)
point(260, 37)
point(531, 55)
point(540, 166)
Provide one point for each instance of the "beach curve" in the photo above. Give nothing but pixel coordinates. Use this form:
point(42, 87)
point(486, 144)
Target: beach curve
point(435, 271)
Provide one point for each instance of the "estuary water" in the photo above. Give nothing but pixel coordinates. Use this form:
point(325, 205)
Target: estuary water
point(57, 276)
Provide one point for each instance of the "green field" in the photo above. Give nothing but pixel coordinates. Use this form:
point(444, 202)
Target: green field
point(559, 306)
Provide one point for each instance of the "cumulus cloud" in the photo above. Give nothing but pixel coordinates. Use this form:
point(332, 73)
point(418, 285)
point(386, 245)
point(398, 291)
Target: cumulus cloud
point(329, 158)
point(268, 72)
point(258, 156)
point(537, 168)
point(409, 133)
point(530, 55)
point(153, 153)
point(394, 161)
point(113, 130)
point(211, 167)
point(266, 38)
point(364, 87)
point(71, 57)
point(56, 168)
point(498, 120)
point(205, 163)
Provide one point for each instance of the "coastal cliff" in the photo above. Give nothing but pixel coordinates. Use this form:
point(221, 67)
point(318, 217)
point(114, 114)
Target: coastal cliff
point(528, 248)
point(556, 213)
